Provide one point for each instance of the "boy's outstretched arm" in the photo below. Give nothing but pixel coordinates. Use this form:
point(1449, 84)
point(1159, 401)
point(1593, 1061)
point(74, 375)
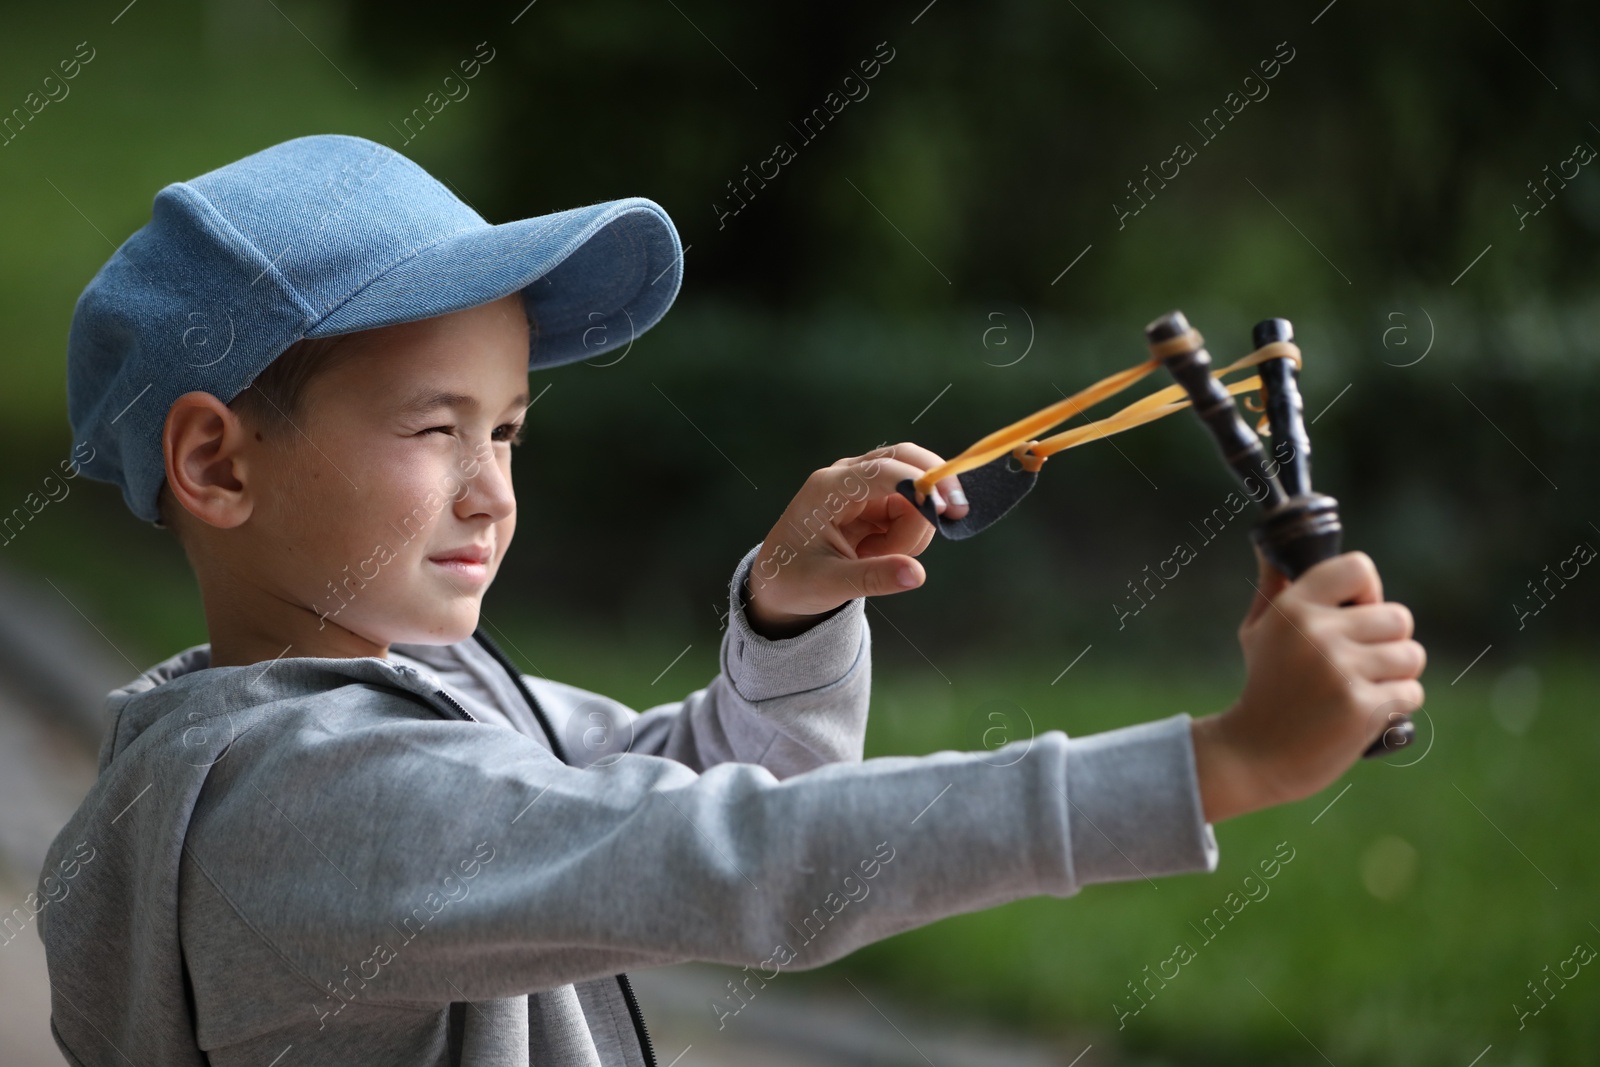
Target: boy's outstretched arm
point(1322, 681)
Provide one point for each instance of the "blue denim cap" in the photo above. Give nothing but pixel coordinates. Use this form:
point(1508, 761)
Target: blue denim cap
point(326, 235)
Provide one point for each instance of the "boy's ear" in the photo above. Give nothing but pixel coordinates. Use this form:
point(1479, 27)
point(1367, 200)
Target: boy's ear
point(203, 444)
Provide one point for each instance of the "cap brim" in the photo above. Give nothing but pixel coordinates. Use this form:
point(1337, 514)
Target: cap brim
point(595, 278)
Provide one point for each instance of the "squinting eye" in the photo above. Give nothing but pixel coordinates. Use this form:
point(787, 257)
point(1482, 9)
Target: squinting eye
point(432, 429)
point(510, 432)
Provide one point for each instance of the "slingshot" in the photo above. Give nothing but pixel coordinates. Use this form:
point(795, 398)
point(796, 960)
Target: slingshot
point(1297, 528)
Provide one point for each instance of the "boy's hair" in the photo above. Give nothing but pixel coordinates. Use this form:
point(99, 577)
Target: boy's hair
point(273, 401)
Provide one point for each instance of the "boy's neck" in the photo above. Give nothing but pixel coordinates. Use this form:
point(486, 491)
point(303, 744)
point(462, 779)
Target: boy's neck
point(248, 625)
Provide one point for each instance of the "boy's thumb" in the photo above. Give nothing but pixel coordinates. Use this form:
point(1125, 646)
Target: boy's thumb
point(880, 575)
point(1269, 583)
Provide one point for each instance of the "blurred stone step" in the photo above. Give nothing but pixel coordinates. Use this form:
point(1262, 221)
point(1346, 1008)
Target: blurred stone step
point(54, 658)
point(840, 1025)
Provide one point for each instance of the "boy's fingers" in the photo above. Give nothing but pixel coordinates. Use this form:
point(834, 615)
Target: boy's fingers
point(878, 521)
point(865, 481)
point(1371, 623)
point(954, 497)
point(1392, 661)
point(927, 459)
point(908, 532)
point(1407, 692)
point(876, 576)
point(1349, 578)
point(924, 459)
point(904, 452)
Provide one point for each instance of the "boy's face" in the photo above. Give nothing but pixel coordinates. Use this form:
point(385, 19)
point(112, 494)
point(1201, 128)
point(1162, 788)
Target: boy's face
point(389, 516)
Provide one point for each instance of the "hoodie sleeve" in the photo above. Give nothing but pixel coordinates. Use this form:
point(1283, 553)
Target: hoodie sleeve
point(789, 705)
point(413, 862)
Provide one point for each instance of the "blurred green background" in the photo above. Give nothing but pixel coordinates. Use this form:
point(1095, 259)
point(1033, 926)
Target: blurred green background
point(956, 248)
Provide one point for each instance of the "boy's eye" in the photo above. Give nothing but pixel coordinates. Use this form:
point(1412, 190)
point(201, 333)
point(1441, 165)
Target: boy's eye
point(510, 432)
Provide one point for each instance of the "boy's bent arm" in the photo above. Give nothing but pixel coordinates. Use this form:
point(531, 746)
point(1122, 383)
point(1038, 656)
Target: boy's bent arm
point(793, 696)
point(415, 863)
point(789, 705)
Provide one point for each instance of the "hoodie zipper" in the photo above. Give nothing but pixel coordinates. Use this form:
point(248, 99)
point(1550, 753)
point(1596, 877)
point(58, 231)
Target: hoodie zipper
point(638, 1019)
point(628, 998)
point(447, 698)
point(533, 705)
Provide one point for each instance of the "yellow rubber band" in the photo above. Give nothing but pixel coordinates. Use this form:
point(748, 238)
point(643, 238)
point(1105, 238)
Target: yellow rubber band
point(1019, 439)
point(1187, 341)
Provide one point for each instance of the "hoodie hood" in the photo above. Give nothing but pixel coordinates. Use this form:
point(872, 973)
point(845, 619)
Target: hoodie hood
point(174, 684)
point(108, 892)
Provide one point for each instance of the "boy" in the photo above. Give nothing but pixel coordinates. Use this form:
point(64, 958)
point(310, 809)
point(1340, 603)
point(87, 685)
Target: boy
point(348, 830)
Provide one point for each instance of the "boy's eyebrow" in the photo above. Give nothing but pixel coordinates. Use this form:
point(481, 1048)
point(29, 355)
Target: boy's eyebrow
point(430, 399)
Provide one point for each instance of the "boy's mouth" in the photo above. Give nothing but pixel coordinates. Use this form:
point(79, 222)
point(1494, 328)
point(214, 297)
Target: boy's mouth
point(470, 562)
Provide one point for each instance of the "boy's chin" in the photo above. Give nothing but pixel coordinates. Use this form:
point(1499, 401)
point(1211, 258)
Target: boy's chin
point(446, 628)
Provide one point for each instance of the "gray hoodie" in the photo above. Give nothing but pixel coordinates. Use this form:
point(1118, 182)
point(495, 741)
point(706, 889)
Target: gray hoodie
point(333, 861)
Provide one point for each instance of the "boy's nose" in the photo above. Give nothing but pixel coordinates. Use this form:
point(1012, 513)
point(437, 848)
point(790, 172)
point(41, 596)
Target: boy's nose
point(489, 493)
